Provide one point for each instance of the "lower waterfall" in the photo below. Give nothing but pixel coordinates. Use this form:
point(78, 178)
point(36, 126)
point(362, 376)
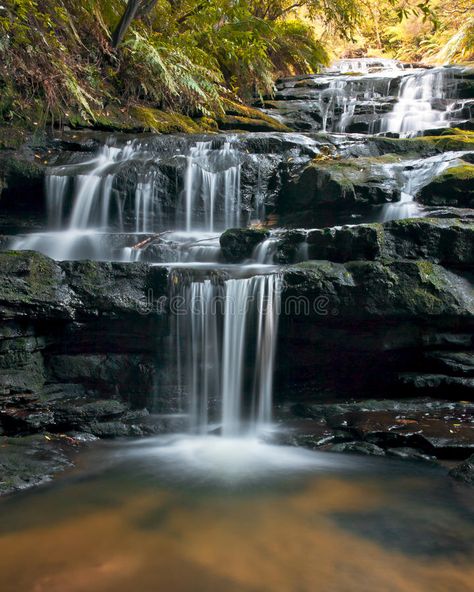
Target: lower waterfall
point(217, 329)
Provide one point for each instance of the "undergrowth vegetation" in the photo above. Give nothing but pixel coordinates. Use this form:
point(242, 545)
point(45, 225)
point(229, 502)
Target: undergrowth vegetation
point(433, 31)
point(57, 63)
point(60, 62)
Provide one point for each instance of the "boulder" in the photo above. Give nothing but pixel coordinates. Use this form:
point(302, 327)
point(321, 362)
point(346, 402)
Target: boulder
point(453, 187)
point(32, 460)
point(335, 184)
point(34, 286)
point(415, 429)
point(237, 244)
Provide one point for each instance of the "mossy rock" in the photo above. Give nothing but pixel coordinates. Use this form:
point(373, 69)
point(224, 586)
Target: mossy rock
point(243, 118)
point(443, 141)
point(367, 290)
point(31, 285)
point(338, 185)
point(12, 137)
point(453, 187)
point(141, 118)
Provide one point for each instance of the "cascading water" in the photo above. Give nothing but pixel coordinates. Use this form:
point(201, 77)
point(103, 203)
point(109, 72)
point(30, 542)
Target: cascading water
point(124, 190)
point(213, 180)
point(221, 330)
point(415, 110)
point(366, 65)
point(167, 201)
point(371, 95)
point(413, 176)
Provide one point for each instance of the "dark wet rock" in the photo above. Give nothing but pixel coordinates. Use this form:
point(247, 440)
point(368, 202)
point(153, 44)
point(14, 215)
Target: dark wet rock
point(32, 286)
point(349, 243)
point(397, 289)
point(290, 247)
point(458, 387)
point(21, 182)
point(343, 184)
point(381, 314)
point(460, 363)
point(237, 244)
point(453, 187)
point(79, 412)
point(309, 434)
point(417, 429)
point(113, 288)
point(407, 453)
point(96, 312)
point(356, 448)
point(465, 471)
point(32, 460)
point(37, 287)
point(114, 429)
point(446, 241)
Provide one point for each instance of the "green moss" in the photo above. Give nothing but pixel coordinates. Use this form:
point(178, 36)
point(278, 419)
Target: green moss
point(431, 274)
point(237, 114)
point(447, 140)
point(32, 277)
point(464, 172)
point(164, 122)
point(142, 118)
point(12, 137)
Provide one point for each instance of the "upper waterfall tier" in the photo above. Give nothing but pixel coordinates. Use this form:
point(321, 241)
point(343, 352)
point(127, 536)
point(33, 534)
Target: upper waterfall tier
point(375, 96)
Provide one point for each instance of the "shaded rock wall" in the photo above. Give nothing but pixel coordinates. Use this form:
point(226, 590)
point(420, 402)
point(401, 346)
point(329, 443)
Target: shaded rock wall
point(75, 333)
point(377, 329)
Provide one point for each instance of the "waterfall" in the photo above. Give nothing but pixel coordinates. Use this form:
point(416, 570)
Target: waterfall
point(129, 189)
point(211, 190)
point(366, 65)
point(220, 329)
point(212, 184)
point(370, 96)
point(413, 176)
point(415, 110)
point(56, 187)
point(265, 251)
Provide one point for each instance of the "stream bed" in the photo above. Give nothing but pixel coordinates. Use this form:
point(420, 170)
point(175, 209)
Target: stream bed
point(205, 513)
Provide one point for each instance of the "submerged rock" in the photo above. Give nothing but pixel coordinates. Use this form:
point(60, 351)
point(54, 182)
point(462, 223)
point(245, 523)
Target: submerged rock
point(32, 460)
point(465, 471)
point(357, 448)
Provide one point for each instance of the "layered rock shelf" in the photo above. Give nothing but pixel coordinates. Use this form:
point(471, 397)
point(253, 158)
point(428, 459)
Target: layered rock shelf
point(355, 230)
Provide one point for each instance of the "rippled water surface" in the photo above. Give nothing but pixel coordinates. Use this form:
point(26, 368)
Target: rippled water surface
point(209, 514)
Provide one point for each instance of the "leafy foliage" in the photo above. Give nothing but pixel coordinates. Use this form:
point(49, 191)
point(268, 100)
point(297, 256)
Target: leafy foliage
point(57, 62)
point(436, 31)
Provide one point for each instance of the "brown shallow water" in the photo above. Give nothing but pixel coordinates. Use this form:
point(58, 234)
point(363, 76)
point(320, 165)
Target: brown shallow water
point(246, 518)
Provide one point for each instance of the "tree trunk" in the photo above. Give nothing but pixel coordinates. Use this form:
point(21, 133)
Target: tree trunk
point(135, 8)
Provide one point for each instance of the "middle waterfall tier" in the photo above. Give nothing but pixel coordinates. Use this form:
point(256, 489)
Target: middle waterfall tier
point(143, 187)
point(224, 337)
